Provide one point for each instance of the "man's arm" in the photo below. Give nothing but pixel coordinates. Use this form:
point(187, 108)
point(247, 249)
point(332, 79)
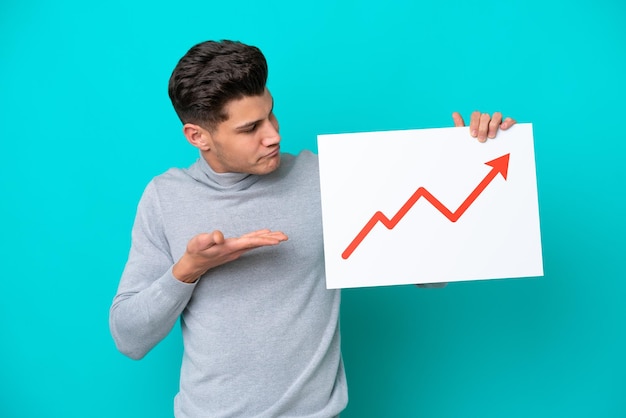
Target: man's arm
point(153, 290)
point(149, 299)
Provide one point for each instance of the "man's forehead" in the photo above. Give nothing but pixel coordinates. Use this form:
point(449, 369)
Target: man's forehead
point(249, 106)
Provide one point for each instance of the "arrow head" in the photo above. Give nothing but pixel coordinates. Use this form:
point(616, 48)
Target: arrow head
point(500, 165)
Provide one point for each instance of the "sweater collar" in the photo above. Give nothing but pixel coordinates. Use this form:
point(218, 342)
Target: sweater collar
point(202, 172)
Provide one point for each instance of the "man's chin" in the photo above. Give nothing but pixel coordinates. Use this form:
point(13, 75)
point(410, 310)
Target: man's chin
point(271, 165)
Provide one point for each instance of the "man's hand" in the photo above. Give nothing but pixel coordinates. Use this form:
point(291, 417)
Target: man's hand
point(482, 125)
point(209, 250)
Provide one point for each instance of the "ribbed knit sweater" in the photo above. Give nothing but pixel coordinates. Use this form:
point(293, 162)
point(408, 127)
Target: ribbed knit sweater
point(261, 334)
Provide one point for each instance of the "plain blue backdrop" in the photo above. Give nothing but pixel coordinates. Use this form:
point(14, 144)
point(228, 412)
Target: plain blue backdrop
point(85, 123)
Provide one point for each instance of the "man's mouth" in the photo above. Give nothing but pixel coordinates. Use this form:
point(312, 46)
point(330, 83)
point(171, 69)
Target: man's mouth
point(273, 153)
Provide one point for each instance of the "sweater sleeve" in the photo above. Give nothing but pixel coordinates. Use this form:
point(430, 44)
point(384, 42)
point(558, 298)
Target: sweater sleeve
point(149, 298)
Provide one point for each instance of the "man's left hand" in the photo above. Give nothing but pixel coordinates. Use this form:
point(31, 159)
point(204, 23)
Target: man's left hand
point(484, 125)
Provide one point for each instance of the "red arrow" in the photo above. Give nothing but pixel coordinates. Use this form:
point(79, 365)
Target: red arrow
point(499, 165)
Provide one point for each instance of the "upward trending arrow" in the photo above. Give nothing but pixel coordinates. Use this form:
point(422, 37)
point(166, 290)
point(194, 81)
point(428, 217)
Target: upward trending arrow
point(499, 165)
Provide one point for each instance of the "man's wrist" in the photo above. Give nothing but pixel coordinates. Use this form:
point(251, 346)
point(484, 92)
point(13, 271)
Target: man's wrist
point(185, 273)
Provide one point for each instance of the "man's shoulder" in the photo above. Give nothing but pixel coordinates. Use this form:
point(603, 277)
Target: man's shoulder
point(173, 178)
point(301, 169)
point(172, 175)
point(304, 158)
point(307, 155)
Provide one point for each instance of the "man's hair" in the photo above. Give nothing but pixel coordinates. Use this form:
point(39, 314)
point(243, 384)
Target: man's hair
point(210, 75)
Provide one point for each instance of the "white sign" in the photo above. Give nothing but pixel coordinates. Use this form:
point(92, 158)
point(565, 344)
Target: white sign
point(429, 206)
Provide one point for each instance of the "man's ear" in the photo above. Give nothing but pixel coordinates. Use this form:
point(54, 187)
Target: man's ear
point(197, 136)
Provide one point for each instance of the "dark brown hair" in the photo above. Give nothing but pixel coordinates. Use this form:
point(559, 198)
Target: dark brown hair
point(210, 75)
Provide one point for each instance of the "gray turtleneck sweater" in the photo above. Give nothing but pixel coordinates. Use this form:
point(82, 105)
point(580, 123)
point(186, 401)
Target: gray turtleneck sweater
point(261, 334)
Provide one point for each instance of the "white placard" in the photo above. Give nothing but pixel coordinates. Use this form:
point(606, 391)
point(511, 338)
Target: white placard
point(429, 206)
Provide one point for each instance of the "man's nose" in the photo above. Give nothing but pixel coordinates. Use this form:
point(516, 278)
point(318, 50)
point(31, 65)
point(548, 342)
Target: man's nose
point(270, 135)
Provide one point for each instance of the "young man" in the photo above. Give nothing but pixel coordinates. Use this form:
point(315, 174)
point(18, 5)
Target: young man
point(260, 330)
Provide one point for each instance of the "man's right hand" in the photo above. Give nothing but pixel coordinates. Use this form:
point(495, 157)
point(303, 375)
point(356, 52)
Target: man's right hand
point(209, 250)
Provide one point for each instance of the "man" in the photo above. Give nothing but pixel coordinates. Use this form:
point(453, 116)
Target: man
point(260, 330)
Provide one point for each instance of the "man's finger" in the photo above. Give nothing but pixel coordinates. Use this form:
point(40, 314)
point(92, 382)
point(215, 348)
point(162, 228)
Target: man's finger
point(265, 233)
point(483, 127)
point(458, 119)
point(205, 241)
point(237, 245)
point(279, 236)
point(256, 233)
point(218, 237)
point(474, 123)
point(494, 124)
point(507, 123)
point(272, 237)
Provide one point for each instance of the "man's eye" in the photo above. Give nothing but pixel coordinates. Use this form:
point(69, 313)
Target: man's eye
point(252, 128)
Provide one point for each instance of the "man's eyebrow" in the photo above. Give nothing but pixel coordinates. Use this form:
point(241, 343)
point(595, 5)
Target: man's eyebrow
point(247, 125)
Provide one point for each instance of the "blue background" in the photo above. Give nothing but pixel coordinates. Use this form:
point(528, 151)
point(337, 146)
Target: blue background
point(85, 123)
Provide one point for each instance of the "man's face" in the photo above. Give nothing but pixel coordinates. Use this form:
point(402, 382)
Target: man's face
point(248, 141)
